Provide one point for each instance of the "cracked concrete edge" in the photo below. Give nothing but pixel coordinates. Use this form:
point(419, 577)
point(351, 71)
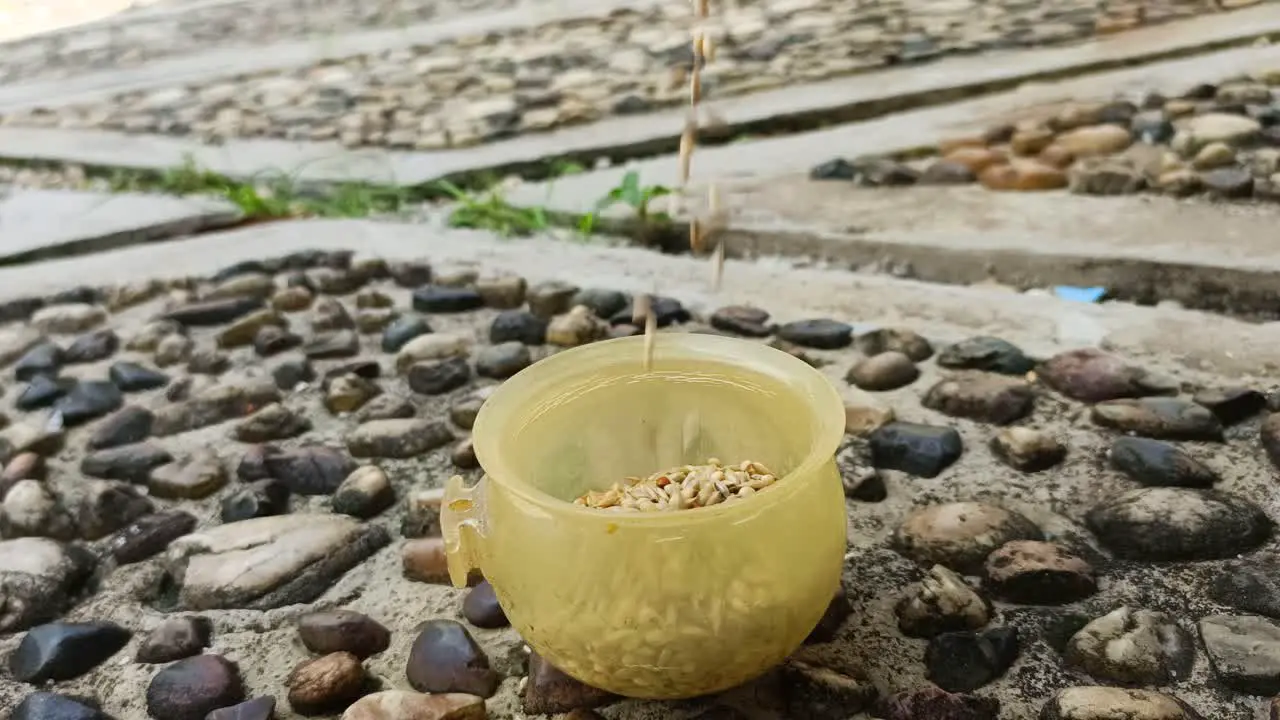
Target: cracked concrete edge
point(1198, 342)
point(845, 99)
point(236, 60)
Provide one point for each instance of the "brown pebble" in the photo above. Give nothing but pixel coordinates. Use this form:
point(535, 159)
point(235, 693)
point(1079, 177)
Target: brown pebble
point(550, 691)
point(1038, 573)
point(326, 684)
point(424, 560)
point(343, 631)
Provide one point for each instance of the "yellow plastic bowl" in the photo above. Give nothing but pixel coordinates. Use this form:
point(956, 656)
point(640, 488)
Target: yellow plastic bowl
point(655, 605)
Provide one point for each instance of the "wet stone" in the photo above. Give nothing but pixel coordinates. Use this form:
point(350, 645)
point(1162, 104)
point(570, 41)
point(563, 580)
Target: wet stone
point(42, 391)
point(1160, 418)
point(1027, 449)
point(365, 493)
point(933, 702)
point(666, 311)
point(742, 320)
point(331, 345)
point(883, 372)
point(106, 506)
point(1157, 463)
point(820, 334)
point(196, 478)
point(273, 422)
point(916, 449)
point(326, 685)
point(132, 377)
point(45, 358)
point(437, 378)
point(1031, 572)
point(132, 463)
point(343, 631)
point(398, 438)
point(268, 562)
point(48, 706)
point(960, 535)
point(92, 347)
point(1250, 584)
point(149, 535)
point(1132, 647)
point(444, 658)
point(128, 425)
point(63, 650)
point(503, 360)
point(822, 693)
point(1105, 703)
point(1171, 524)
point(217, 404)
point(963, 661)
point(88, 400)
point(518, 326)
point(403, 329)
point(175, 638)
point(1232, 405)
point(38, 578)
point(1244, 652)
point(550, 691)
point(192, 688)
point(436, 299)
point(983, 397)
point(1091, 375)
point(253, 463)
point(261, 498)
point(311, 470)
point(941, 602)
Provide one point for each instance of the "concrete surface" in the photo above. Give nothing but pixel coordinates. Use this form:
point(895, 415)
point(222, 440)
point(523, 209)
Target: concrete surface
point(38, 224)
point(847, 99)
point(238, 60)
point(1191, 340)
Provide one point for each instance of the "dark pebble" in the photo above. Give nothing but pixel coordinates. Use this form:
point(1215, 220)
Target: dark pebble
point(549, 691)
point(602, 302)
point(742, 320)
point(92, 347)
point(666, 311)
point(439, 377)
point(981, 396)
point(343, 631)
point(42, 392)
point(207, 361)
point(149, 536)
point(1038, 573)
point(312, 470)
point(518, 326)
point(132, 463)
point(260, 708)
point(292, 372)
point(261, 498)
point(272, 340)
point(192, 688)
point(963, 661)
point(1163, 418)
point(834, 169)
point(814, 692)
point(503, 360)
point(253, 463)
point(481, 607)
point(62, 651)
point(43, 359)
point(108, 505)
point(1152, 462)
point(410, 274)
point(332, 345)
point(445, 658)
point(838, 610)
point(883, 372)
point(176, 638)
point(132, 377)
point(213, 312)
point(88, 400)
point(933, 703)
point(1159, 524)
point(436, 299)
point(1251, 585)
point(47, 706)
point(986, 353)
point(128, 425)
point(821, 334)
point(402, 330)
point(1228, 183)
point(1232, 405)
point(923, 450)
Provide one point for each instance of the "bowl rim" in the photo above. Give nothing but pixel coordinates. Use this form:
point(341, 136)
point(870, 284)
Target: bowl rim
point(530, 383)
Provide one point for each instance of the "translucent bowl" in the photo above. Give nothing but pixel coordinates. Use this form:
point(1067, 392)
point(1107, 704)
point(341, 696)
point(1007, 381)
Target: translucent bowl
point(656, 605)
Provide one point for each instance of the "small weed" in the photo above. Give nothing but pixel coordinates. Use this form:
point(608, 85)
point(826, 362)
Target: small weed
point(628, 192)
point(490, 211)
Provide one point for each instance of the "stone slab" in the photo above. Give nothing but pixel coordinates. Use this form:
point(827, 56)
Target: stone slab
point(847, 99)
point(1042, 324)
point(235, 60)
point(39, 224)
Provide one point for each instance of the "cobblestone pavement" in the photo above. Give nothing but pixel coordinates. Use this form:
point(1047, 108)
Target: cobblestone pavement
point(479, 89)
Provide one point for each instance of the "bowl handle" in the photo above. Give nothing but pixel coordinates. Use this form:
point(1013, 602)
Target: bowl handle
point(462, 526)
